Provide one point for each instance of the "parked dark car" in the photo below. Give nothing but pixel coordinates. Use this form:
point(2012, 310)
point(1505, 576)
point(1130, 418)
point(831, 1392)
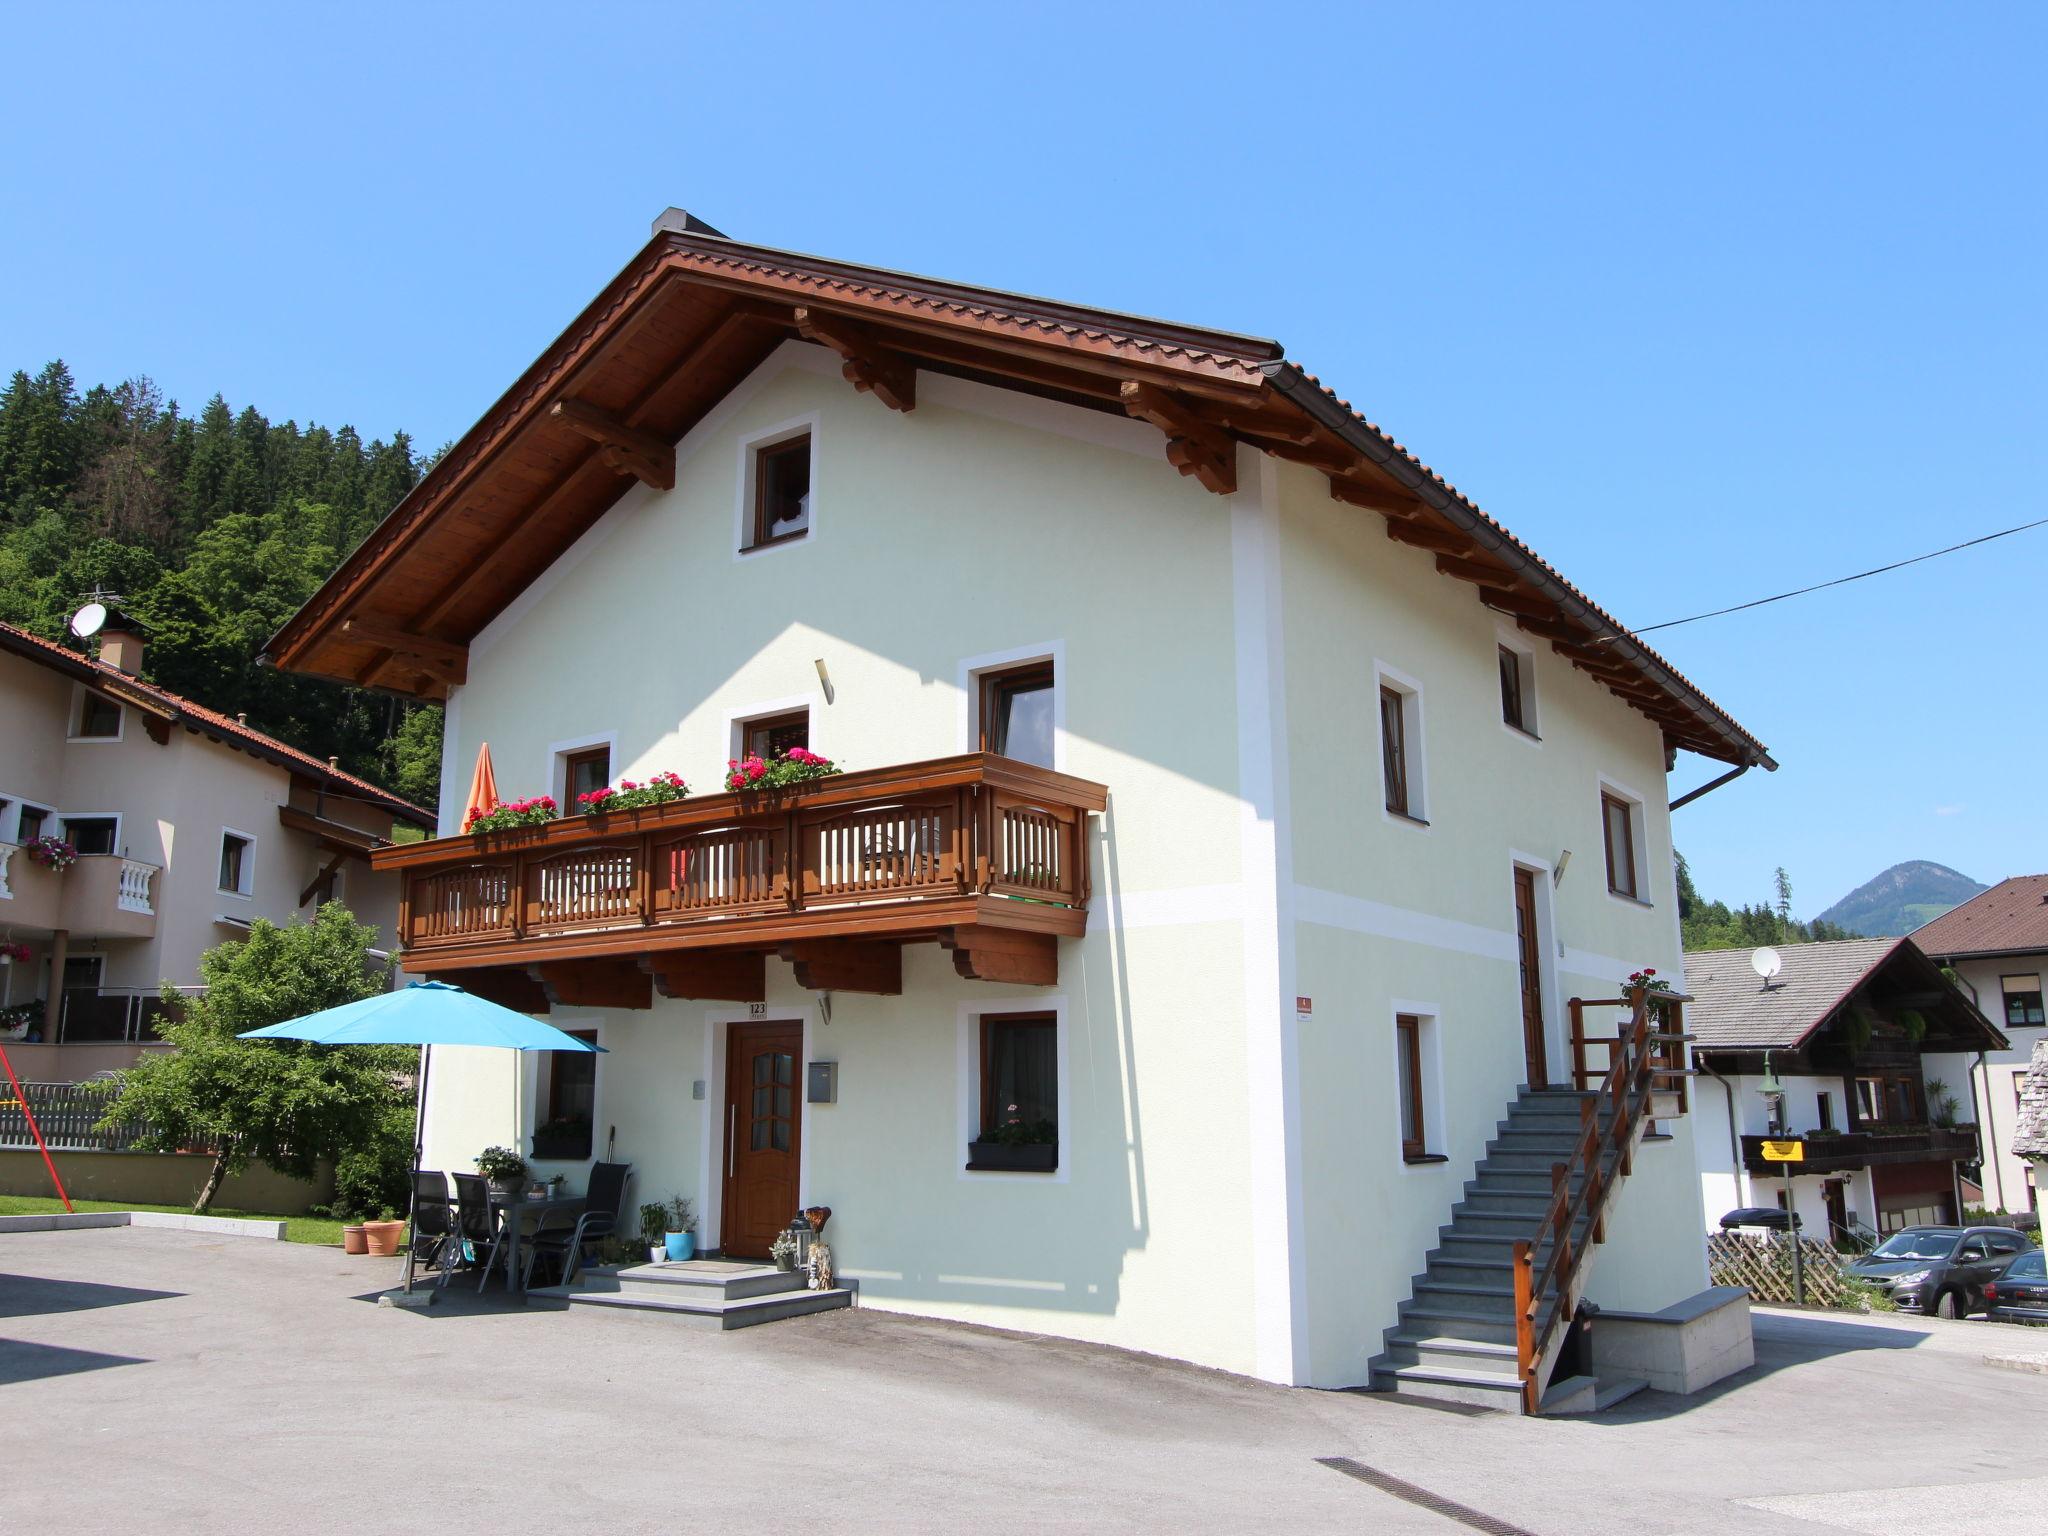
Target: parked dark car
point(1770, 1216)
point(1939, 1270)
point(2020, 1295)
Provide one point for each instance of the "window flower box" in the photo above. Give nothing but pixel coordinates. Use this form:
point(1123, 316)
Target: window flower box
point(533, 812)
point(53, 853)
point(799, 765)
point(1013, 1157)
point(631, 796)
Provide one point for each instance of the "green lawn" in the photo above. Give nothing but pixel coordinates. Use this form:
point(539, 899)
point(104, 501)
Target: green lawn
point(297, 1229)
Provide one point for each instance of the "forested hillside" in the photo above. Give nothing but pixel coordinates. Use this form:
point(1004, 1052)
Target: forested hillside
point(1716, 925)
point(213, 529)
point(1903, 897)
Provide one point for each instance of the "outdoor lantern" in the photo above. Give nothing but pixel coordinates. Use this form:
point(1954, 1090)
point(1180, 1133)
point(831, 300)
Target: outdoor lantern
point(1773, 1093)
point(800, 1231)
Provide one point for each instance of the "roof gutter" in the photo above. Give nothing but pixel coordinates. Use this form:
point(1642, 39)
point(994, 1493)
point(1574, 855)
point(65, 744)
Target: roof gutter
point(1289, 380)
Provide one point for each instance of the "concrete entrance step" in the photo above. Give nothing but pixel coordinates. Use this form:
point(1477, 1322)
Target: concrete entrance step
point(711, 1293)
point(727, 1279)
point(711, 1313)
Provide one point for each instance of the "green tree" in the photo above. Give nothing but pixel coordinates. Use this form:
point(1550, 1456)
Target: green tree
point(415, 768)
point(280, 1102)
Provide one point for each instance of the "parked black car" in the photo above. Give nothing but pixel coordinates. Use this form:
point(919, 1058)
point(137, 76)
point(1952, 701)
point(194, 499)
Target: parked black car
point(1770, 1216)
point(2020, 1295)
point(1939, 1270)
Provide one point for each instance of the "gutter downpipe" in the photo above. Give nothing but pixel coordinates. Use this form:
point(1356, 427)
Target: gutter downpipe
point(1734, 1139)
point(1987, 1128)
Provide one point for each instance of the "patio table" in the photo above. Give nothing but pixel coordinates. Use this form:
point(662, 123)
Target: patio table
point(515, 1211)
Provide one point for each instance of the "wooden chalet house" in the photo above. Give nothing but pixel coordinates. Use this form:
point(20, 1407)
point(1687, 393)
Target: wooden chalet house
point(1874, 1047)
point(1197, 899)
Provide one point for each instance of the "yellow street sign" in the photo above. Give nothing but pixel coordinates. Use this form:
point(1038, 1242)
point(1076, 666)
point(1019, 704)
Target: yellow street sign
point(1784, 1151)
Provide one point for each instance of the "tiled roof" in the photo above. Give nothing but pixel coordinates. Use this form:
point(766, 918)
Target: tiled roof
point(211, 722)
point(1732, 1010)
point(2010, 918)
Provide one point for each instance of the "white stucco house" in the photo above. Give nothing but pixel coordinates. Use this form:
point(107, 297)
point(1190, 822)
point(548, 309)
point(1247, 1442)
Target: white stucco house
point(1228, 811)
point(1997, 943)
point(186, 825)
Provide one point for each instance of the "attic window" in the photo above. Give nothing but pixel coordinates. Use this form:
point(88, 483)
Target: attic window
point(782, 491)
point(99, 718)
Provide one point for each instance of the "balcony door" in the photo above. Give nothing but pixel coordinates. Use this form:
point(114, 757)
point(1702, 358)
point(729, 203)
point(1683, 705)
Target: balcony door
point(1529, 955)
point(763, 1135)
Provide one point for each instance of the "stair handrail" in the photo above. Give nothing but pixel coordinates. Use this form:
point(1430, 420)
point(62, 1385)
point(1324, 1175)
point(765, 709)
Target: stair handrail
point(1639, 1061)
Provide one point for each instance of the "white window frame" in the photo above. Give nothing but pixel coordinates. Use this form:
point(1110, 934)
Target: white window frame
point(79, 691)
point(968, 1082)
point(1429, 1041)
point(973, 668)
point(120, 842)
point(248, 863)
point(1415, 741)
point(737, 720)
point(743, 511)
point(1639, 839)
point(1530, 732)
point(558, 765)
point(10, 817)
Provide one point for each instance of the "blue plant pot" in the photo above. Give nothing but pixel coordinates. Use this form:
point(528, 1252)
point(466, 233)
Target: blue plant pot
point(681, 1245)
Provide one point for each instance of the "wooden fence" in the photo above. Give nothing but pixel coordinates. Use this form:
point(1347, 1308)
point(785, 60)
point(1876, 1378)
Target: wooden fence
point(1763, 1263)
point(66, 1113)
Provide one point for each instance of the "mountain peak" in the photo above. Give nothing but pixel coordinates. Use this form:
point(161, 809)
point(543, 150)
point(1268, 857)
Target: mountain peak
point(1902, 898)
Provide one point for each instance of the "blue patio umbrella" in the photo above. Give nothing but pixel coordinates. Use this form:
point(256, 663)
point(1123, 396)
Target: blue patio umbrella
point(425, 1014)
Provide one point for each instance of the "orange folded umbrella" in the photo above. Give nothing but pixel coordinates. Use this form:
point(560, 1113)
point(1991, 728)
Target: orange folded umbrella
point(483, 784)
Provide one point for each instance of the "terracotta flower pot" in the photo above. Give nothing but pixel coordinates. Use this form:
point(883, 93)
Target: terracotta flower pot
point(383, 1237)
point(352, 1240)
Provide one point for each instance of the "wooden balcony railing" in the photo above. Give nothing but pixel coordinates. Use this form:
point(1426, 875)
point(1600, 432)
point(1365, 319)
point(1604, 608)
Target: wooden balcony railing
point(1831, 1152)
point(976, 840)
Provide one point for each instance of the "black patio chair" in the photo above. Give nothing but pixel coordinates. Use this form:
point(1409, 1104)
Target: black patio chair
point(475, 1228)
point(602, 1202)
point(433, 1221)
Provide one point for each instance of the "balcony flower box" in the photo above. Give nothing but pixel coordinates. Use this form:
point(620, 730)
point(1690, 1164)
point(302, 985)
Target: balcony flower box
point(797, 766)
point(536, 811)
point(631, 796)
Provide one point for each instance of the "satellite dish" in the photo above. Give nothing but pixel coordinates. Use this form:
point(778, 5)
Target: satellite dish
point(87, 621)
point(1767, 962)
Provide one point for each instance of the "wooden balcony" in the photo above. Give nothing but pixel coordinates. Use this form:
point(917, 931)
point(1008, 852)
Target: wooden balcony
point(1837, 1152)
point(986, 856)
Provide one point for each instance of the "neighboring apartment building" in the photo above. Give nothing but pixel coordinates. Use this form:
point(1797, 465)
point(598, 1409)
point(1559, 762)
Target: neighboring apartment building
point(1872, 1047)
point(187, 826)
point(1232, 838)
point(1997, 942)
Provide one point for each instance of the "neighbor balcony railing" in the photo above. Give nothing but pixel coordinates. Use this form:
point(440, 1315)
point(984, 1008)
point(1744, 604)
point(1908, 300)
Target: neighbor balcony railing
point(1831, 1152)
point(876, 851)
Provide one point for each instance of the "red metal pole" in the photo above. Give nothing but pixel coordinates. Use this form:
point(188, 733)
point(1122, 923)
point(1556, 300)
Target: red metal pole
point(34, 1129)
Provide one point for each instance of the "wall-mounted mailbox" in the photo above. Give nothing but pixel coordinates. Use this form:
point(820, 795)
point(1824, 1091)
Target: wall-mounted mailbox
point(823, 1084)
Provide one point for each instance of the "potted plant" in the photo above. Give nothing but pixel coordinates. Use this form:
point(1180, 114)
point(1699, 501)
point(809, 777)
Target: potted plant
point(631, 795)
point(783, 1250)
point(53, 853)
point(653, 1226)
point(535, 811)
point(679, 1230)
point(352, 1240)
point(503, 1167)
point(799, 765)
point(382, 1236)
point(1016, 1145)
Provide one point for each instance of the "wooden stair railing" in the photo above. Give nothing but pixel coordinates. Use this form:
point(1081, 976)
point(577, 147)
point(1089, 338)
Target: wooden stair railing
point(1646, 1058)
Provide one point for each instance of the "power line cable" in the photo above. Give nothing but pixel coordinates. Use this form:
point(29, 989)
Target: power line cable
point(1839, 581)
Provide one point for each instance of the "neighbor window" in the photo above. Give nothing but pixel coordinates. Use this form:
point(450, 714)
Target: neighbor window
point(1617, 818)
point(2022, 999)
point(92, 834)
point(1408, 1037)
point(237, 863)
point(1907, 1102)
point(28, 825)
point(1398, 719)
point(782, 492)
point(584, 770)
point(770, 737)
point(1824, 1104)
point(568, 1104)
point(1516, 707)
point(1869, 1100)
point(99, 717)
point(1016, 713)
point(1020, 1079)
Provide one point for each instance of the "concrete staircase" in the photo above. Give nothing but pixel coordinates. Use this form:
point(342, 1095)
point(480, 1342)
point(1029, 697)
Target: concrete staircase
point(704, 1293)
point(1455, 1340)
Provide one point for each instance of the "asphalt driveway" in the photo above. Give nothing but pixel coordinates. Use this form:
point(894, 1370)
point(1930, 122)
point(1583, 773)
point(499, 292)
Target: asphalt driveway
point(168, 1381)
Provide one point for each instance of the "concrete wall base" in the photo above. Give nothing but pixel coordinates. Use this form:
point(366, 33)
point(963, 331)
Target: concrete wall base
point(217, 1226)
point(1686, 1346)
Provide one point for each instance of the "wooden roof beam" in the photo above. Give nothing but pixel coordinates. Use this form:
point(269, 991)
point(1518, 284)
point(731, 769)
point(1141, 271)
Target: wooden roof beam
point(443, 660)
point(1385, 500)
point(645, 456)
point(1485, 574)
point(869, 366)
point(1524, 604)
point(1445, 541)
point(1193, 446)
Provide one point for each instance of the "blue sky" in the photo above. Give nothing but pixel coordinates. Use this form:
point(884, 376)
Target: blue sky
point(1703, 303)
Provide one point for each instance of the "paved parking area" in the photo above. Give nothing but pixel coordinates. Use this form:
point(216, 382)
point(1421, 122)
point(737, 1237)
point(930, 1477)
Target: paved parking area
point(167, 1382)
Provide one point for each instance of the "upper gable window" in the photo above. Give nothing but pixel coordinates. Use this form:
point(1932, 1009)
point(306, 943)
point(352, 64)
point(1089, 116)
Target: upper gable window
point(1618, 830)
point(2022, 999)
point(781, 475)
point(99, 718)
point(1517, 689)
point(1016, 713)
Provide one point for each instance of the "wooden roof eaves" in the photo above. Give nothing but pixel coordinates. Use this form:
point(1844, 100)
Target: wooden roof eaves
point(1289, 380)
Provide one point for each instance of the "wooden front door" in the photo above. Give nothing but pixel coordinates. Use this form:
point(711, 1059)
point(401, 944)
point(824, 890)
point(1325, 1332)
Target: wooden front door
point(1530, 958)
point(763, 1135)
point(1831, 1192)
